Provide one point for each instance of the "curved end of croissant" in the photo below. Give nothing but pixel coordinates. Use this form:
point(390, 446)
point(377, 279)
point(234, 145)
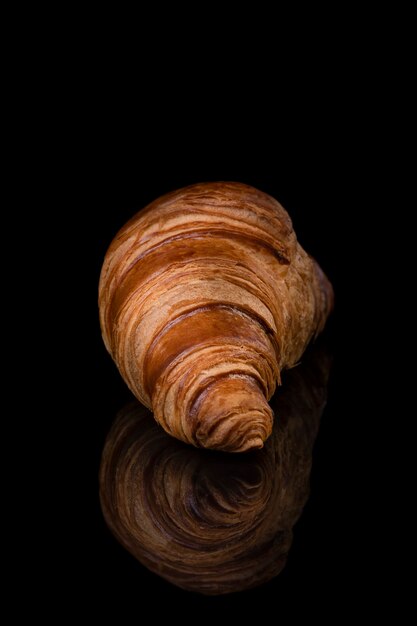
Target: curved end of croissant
point(232, 415)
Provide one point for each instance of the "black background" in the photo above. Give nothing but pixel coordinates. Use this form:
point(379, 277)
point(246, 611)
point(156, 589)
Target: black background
point(316, 179)
point(314, 113)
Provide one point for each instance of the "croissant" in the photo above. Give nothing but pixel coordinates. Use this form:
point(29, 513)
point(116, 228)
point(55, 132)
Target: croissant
point(211, 522)
point(205, 297)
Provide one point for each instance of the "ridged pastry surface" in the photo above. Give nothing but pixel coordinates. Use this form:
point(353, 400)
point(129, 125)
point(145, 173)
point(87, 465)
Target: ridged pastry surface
point(205, 297)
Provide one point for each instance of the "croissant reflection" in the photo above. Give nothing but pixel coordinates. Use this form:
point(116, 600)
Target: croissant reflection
point(213, 522)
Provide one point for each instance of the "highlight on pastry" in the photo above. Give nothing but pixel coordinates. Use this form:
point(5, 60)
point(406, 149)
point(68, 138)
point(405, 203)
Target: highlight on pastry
point(205, 297)
point(206, 521)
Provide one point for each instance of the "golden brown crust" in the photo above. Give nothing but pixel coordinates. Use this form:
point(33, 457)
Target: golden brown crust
point(212, 522)
point(205, 297)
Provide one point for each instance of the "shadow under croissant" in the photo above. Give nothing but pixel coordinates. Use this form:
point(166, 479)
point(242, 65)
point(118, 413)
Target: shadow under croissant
point(212, 522)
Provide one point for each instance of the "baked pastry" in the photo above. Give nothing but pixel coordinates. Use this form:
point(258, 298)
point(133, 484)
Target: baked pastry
point(205, 297)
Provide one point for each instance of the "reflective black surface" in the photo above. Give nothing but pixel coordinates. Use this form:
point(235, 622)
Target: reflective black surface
point(214, 523)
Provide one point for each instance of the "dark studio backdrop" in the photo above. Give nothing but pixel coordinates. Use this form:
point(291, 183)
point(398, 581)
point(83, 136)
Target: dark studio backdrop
point(100, 141)
point(318, 185)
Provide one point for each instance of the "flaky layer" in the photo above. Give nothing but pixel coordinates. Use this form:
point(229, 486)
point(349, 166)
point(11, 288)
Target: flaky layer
point(205, 296)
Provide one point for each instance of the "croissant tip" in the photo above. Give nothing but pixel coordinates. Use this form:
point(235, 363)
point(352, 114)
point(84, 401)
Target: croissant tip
point(235, 439)
point(248, 445)
point(255, 443)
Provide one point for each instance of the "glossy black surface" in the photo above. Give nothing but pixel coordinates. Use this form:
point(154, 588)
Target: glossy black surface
point(214, 523)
